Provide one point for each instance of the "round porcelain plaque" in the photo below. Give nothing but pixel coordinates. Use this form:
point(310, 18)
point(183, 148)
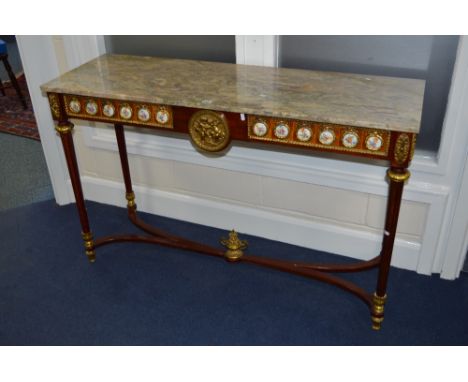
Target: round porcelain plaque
point(108, 110)
point(162, 116)
point(125, 112)
point(350, 139)
point(304, 134)
point(281, 130)
point(75, 105)
point(144, 114)
point(327, 137)
point(260, 129)
point(91, 107)
point(374, 142)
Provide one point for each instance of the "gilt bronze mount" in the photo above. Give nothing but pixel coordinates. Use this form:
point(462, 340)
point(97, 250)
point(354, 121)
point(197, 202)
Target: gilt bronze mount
point(235, 246)
point(209, 130)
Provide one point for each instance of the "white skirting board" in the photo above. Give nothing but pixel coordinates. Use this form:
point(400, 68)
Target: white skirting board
point(254, 221)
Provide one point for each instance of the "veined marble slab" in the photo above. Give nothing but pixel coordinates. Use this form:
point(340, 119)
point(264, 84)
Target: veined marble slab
point(350, 99)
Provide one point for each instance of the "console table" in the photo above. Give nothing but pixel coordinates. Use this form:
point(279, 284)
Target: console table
point(215, 103)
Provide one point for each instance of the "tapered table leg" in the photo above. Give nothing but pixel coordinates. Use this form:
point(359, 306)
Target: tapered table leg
point(129, 194)
point(65, 131)
point(397, 178)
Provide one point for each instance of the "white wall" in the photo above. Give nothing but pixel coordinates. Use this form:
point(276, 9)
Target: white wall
point(311, 201)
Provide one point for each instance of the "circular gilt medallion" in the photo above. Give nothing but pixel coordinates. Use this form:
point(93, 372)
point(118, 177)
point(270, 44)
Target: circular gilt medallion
point(209, 130)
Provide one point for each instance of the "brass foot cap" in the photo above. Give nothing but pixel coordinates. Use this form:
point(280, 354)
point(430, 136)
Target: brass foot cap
point(91, 255)
point(376, 322)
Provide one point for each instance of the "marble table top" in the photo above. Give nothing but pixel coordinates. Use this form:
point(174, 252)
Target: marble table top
point(350, 99)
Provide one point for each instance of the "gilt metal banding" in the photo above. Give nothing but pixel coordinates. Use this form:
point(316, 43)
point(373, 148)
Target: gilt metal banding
point(397, 176)
point(378, 303)
point(89, 246)
point(130, 196)
point(64, 128)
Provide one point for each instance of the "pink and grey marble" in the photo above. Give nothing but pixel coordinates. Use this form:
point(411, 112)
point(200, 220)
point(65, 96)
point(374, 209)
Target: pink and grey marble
point(350, 99)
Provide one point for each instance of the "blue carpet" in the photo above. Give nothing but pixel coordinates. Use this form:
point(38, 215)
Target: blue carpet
point(140, 294)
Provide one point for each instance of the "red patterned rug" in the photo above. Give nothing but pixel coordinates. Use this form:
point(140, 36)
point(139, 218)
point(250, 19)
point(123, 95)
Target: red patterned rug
point(13, 118)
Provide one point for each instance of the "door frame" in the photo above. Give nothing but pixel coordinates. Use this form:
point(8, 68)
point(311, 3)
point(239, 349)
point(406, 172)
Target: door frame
point(40, 65)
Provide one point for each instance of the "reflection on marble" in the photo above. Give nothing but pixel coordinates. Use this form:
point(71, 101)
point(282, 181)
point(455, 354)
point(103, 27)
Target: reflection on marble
point(349, 99)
